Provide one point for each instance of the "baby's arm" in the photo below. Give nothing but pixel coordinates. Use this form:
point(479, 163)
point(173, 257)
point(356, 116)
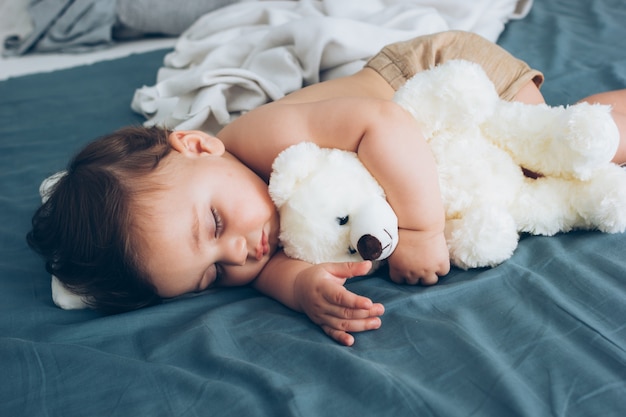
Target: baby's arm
point(319, 292)
point(394, 150)
point(390, 144)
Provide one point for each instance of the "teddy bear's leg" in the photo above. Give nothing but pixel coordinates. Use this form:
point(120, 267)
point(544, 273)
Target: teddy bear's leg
point(570, 142)
point(550, 205)
point(484, 236)
point(601, 201)
point(544, 206)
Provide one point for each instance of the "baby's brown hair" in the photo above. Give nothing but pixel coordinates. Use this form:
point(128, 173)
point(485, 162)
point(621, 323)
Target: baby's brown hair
point(84, 230)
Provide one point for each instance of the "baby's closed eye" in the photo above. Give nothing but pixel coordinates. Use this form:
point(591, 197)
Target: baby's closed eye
point(217, 222)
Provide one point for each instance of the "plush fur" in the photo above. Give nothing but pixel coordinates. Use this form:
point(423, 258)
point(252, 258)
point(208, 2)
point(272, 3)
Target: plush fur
point(331, 208)
point(481, 143)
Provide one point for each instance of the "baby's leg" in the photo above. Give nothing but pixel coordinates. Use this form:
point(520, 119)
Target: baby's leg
point(529, 94)
point(617, 99)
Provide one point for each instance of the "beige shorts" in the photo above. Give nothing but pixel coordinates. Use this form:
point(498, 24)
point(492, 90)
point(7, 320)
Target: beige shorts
point(399, 61)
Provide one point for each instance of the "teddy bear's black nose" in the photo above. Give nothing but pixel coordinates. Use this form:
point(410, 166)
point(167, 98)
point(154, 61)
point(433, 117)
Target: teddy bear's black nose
point(369, 247)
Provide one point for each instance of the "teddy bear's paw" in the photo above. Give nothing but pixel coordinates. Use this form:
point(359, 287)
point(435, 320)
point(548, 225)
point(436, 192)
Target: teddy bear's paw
point(592, 136)
point(486, 236)
point(601, 201)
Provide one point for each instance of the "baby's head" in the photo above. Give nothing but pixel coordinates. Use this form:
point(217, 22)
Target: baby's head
point(135, 219)
point(85, 230)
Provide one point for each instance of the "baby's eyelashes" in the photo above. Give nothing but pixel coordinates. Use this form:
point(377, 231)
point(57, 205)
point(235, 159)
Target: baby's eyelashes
point(217, 221)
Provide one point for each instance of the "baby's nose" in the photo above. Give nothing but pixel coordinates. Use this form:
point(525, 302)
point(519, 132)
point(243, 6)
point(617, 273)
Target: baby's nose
point(236, 252)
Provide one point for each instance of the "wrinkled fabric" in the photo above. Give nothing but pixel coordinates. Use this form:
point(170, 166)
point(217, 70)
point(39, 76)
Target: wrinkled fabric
point(239, 57)
point(77, 26)
point(541, 335)
point(66, 26)
point(165, 17)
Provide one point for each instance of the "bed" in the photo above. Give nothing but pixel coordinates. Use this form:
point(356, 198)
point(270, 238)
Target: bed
point(543, 334)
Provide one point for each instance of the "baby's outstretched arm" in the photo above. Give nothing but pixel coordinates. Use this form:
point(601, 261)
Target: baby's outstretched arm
point(319, 292)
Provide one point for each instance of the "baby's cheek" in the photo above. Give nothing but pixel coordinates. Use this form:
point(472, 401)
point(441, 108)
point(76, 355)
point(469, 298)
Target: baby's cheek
point(240, 275)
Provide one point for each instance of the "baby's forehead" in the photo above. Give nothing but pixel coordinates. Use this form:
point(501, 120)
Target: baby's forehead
point(166, 173)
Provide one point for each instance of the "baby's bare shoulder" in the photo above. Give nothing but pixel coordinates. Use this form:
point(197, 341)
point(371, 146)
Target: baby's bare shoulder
point(257, 137)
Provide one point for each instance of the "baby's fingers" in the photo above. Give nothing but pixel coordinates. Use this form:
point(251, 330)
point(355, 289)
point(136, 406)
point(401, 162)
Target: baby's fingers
point(362, 308)
point(338, 329)
point(348, 269)
point(345, 299)
point(342, 304)
point(339, 321)
point(339, 336)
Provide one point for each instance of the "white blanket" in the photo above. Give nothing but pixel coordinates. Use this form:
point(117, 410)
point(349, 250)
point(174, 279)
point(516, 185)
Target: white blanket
point(241, 56)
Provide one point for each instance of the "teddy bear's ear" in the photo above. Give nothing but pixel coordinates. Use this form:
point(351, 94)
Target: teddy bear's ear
point(290, 168)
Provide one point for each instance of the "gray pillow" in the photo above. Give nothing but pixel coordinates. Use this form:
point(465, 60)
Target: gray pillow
point(160, 17)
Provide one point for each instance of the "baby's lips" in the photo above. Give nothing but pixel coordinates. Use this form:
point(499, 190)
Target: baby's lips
point(263, 247)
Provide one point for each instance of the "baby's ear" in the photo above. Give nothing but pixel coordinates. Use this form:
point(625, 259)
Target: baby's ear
point(195, 142)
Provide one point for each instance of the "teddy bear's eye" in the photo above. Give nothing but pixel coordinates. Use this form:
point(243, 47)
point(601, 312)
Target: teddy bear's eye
point(343, 220)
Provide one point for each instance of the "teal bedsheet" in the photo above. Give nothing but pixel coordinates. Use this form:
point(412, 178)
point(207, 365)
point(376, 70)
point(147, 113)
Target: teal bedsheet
point(543, 334)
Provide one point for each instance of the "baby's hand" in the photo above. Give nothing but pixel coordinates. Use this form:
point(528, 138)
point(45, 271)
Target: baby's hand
point(323, 297)
point(419, 258)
